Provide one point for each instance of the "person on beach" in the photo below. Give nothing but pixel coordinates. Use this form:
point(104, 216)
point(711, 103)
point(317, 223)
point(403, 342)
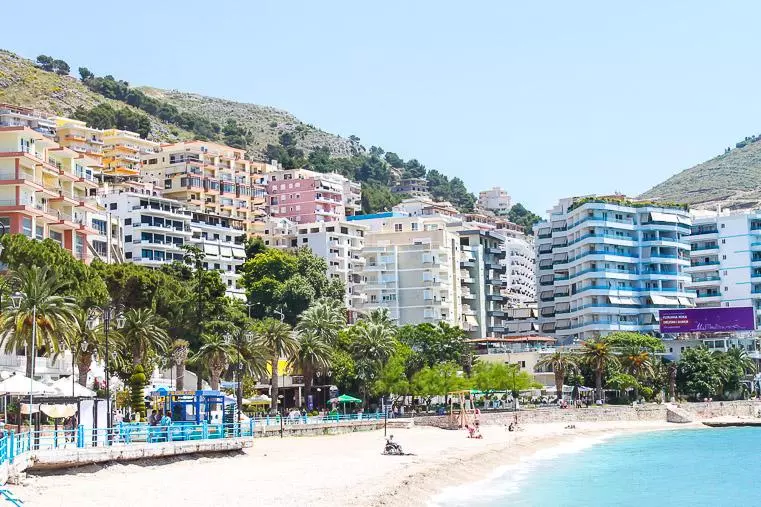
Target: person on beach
point(165, 423)
point(154, 418)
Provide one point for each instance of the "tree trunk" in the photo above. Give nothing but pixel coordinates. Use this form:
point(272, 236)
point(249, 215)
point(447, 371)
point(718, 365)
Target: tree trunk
point(559, 377)
point(598, 383)
point(83, 366)
point(179, 370)
point(214, 380)
point(29, 359)
point(308, 381)
point(672, 383)
point(199, 378)
point(275, 391)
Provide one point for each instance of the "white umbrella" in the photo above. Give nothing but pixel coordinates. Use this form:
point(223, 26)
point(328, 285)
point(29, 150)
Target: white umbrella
point(21, 385)
point(64, 387)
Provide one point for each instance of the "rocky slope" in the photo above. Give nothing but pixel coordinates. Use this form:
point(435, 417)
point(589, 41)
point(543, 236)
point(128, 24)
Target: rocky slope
point(731, 180)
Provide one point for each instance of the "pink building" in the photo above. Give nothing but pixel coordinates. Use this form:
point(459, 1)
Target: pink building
point(304, 196)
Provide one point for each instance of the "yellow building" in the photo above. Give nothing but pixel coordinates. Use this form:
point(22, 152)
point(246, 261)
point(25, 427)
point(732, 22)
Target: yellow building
point(122, 152)
point(76, 135)
point(47, 190)
point(212, 177)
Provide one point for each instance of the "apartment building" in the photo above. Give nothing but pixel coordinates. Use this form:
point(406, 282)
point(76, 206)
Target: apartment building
point(520, 264)
point(154, 227)
point(413, 187)
point(425, 206)
point(495, 200)
point(46, 191)
point(221, 240)
point(15, 116)
point(213, 178)
point(339, 243)
point(725, 259)
point(77, 136)
point(608, 263)
point(521, 320)
point(123, 151)
point(482, 277)
point(306, 197)
point(412, 268)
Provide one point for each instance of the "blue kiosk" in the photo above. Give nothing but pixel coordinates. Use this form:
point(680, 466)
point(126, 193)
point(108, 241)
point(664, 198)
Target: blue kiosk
point(193, 412)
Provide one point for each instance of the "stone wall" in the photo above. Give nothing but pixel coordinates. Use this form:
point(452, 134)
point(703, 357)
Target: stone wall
point(649, 412)
point(329, 428)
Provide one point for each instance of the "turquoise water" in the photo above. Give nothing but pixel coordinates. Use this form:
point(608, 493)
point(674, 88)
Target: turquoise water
point(711, 467)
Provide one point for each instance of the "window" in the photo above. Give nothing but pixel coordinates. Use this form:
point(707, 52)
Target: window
point(128, 238)
point(397, 227)
point(26, 227)
point(723, 241)
point(722, 226)
point(128, 255)
point(40, 232)
point(79, 246)
point(112, 206)
point(216, 265)
point(127, 221)
point(723, 257)
point(304, 240)
point(414, 226)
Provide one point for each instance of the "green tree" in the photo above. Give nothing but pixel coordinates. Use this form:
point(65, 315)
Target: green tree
point(439, 380)
point(137, 383)
point(699, 373)
point(561, 363)
point(598, 355)
point(62, 68)
point(143, 332)
point(489, 376)
point(277, 339)
point(623, 382)
point(85, 74)
point(215, 354)
point(41, 302)
point(46, 63)
point(85, 341)
point(520, 215)
point(393, 378)
point(626, 340)
point(323, 319)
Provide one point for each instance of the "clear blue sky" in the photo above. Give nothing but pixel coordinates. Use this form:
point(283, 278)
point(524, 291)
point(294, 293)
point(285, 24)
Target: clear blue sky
point(546, 99)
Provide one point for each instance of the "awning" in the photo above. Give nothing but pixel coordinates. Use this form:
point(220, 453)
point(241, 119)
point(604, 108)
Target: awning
point(226, 251)
point(684, 301)
point(471, 320)
point(623, 301)
point(239, 253)
point(663, 217)
point(211, 249)
point(663, 300)
point(683, 220)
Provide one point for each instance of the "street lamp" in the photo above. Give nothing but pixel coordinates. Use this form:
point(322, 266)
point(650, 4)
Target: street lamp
point(16, 299)
point(106, 314)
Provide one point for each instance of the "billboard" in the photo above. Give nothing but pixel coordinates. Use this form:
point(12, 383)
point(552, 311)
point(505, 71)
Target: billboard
point(707, 320)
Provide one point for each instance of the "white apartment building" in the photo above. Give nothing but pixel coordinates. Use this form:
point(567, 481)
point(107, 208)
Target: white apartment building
point(725, 259)
point(412, 268)
point(495, 200)
point(154, 227)
point(15, 116)
point(221, 240)
point(339, 243)
point(609, 263)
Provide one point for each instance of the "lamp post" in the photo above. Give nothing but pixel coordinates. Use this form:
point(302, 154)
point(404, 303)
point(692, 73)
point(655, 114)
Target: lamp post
point(107, 313)
point(16, 299)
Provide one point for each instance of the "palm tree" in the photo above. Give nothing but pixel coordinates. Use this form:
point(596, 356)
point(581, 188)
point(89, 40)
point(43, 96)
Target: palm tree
point(324, 319)
point(638, 363)
point(380, 316)
point(143, 331)
point(312, 355)
point(598, 355)
point(40, 290)
point(373, 342)
point(180, 350)
point(86, 342)
point(216, 354)
point(560, 363)
point(279, 341)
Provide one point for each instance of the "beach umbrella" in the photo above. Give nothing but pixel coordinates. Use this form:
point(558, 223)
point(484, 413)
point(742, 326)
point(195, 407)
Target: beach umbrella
point(22, 385)
point(65, 387)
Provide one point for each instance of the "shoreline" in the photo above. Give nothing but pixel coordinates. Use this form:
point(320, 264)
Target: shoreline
point(428, 487)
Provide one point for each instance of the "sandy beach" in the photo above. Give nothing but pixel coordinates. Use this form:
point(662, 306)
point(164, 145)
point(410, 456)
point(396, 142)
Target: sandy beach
point(326, 470)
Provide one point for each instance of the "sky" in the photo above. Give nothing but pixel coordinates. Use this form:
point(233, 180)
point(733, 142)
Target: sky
point(545, 99)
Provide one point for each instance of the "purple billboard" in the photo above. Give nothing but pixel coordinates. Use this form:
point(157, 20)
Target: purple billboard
point(707, 320)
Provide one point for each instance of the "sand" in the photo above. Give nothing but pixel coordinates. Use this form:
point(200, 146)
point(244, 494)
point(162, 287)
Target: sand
point(326, 470)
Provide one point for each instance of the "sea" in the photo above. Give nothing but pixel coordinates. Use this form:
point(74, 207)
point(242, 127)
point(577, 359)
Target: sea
point(695, 468)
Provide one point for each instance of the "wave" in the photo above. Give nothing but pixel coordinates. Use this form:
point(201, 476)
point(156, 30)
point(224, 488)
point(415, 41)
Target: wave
point(506, 480)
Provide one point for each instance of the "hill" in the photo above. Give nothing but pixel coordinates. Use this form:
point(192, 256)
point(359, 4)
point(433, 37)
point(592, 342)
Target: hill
point(264, 132)
point(730, 180)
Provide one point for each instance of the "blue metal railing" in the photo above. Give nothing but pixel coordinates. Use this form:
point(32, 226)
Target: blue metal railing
point(13, 445)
